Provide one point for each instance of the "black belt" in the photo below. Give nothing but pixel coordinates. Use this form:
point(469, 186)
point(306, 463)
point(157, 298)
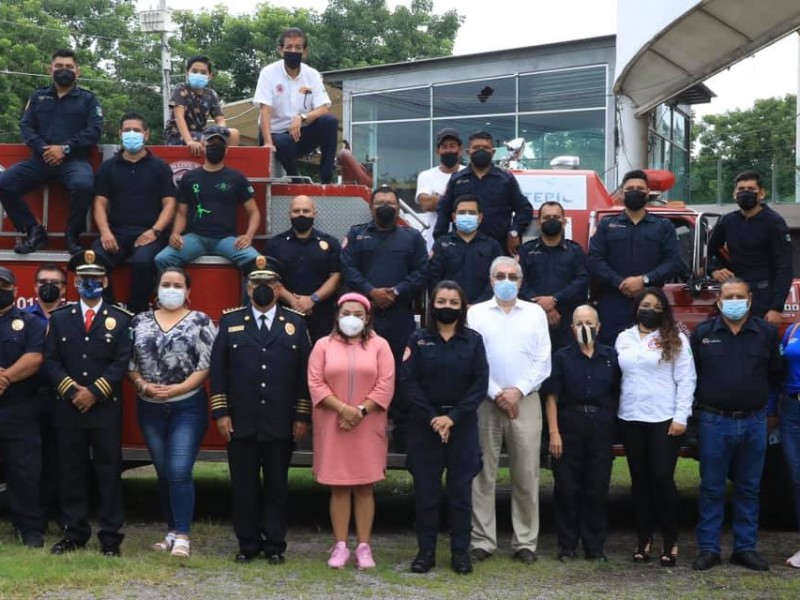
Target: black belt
point(589, 409)
point(730, 414)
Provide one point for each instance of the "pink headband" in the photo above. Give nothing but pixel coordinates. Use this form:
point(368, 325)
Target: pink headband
point(355, 297)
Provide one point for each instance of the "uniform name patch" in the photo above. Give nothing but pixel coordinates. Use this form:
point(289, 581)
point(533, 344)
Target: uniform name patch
point(233, 328)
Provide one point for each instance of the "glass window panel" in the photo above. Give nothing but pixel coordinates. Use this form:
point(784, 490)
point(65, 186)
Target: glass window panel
point(403, 104)
point(680, 166)
point(579, 134)
point(487, 96)
point(558, 90)
point(679, 128)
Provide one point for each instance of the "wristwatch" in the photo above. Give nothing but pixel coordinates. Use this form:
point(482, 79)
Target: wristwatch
point(315, 297)
point(156, 231)
point(513, 233)
point(395, 291)
point(645, 280)
point(363, 410)
point(66, 148)
point(304, 117)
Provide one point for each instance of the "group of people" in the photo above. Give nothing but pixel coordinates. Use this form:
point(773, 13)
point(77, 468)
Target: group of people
point(507, 323)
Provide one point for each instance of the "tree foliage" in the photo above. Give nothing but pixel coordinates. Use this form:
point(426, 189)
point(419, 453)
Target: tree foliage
point(760, 138)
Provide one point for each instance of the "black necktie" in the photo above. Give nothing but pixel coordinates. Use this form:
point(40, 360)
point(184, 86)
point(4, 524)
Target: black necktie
point(263, 329)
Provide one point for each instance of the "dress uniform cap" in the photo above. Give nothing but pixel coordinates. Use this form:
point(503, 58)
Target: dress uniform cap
point(216, 131)
point(7, 276)
point(264, 267)
point(87, 262)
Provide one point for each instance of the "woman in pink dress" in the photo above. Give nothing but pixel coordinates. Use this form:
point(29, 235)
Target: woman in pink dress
point(351, 379)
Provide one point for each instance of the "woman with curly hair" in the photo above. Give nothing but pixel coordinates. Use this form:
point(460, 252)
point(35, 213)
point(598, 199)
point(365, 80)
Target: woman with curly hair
point(658, 381)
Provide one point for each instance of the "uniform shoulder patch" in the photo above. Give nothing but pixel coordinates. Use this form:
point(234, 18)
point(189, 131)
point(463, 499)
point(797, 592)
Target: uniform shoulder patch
point(291, 310)
point(228, 311)
point(122, 309)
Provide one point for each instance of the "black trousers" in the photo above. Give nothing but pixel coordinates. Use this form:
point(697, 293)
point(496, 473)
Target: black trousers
point(79, 449)
point(22, 461)
point(427, 458)
point(260, 514)
point(49, 483)
point(652, 456)
point(582, 475)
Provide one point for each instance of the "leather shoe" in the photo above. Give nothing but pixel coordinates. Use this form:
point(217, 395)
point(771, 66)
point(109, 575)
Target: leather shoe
point(423, 562)
point(36, 238)
point(66, 545)
point(750, 560)
point(601, 558)
point(480, 555)
point(564, 554)
point(72, 243)
point(245, 557)
point(705, 560)
point(460, 563)
point(275, 559)
point(110, 550)
point(525, 556)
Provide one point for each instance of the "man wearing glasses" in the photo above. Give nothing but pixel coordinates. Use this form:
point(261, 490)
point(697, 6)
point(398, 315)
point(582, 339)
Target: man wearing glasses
point(518, 350)
point(293, 108)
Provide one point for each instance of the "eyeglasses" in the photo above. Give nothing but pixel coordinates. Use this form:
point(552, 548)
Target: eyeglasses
point(504, 276)
point(46, 281)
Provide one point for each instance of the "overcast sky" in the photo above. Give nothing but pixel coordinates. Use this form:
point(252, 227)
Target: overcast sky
point(490, 25)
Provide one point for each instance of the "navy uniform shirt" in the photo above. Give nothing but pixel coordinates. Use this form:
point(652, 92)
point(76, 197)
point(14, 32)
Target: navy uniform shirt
point(97, 359)
point(579, 380)
point(759, 251)
point(619, 249)
point(445, 377)
point(134, 190)
point(307, 262)
point(558, 271)
point(261, 382)
point(500, 197)
point(394, 258)
point(20, 333)
point(75, 119)
point(465, 262)
point(213, 199)
point(736, 372)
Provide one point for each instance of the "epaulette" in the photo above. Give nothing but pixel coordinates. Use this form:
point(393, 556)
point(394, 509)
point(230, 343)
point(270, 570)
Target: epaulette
point(62, 307)
point(291, 310)
point(122, 309)
point(230, 310)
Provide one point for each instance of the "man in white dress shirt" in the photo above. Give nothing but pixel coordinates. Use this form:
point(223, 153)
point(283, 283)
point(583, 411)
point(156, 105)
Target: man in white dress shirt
point(293, 108)
point(517, 342)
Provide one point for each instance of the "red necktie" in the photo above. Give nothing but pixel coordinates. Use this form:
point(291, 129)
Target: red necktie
point(89, 319)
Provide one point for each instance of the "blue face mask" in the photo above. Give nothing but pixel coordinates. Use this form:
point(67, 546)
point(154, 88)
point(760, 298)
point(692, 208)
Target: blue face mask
point(505, 290)
point(197, 80)
point(466, 223)
point(735, 310)
point(91, 289)
point(132, 141)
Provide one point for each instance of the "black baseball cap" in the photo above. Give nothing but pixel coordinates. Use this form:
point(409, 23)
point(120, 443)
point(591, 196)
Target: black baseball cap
point(216, 131)
point(448, 132)
point(7, 276)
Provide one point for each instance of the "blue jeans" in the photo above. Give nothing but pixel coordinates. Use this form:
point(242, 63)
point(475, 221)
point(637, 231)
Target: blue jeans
point(173, 431)
point(195, 246)
point(790, 442)
point(734, 447)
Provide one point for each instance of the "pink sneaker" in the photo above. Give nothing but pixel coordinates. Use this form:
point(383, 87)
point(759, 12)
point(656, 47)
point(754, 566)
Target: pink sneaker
point(339, 556)
point(364, 558)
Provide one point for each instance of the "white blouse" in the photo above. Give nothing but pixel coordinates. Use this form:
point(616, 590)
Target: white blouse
point(654, 390)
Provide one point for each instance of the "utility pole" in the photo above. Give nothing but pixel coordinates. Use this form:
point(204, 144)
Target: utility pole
point(158, 21)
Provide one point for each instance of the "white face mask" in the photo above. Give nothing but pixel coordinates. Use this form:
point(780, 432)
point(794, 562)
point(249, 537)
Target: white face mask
point(350, 325)
point(171, 298)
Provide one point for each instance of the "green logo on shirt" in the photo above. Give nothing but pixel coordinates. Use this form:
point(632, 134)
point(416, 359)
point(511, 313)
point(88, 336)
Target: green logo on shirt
point(224, 186)
point(200, 211)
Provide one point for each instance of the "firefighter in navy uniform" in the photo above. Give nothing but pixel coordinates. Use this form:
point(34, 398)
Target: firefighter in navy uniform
point(388, 263)
point(21, 353)
point(260, 401)
point(554, 274)
point(87, 354)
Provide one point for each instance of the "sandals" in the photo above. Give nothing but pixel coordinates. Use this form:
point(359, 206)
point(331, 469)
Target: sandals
point(642, 554)
point(671, 558)
point(180, 548)
point(166, 544)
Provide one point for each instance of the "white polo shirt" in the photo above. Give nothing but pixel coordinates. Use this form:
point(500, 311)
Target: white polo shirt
point(287, 96)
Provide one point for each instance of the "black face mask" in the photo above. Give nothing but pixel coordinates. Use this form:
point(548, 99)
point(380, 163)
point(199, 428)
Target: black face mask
point(481, 158)
point(292, 60)
point(651, 319)
point(447, 315)
point(552, 227)
point(263, 295)
point(302, 223)
point(64, 77)
point(48, 292)
point(215, 154)
point(449, 159)
point(385, 215)
point(746, 199)
point(6, 298)
point(635, 200)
